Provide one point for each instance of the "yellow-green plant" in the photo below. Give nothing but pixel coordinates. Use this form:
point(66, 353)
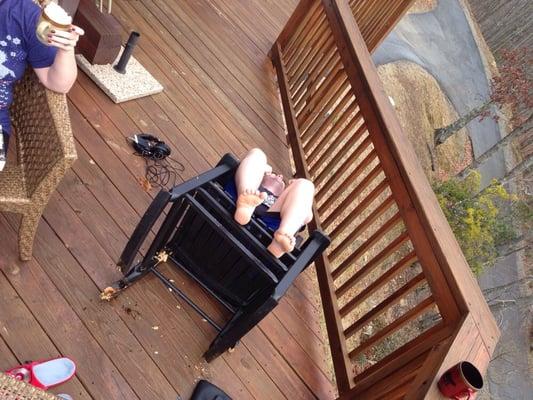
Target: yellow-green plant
point(482, 220)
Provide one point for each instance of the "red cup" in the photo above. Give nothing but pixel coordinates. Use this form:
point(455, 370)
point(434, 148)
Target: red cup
point(462, 380)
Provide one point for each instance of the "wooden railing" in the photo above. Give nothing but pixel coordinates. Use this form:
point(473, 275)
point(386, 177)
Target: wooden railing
point(399, 299)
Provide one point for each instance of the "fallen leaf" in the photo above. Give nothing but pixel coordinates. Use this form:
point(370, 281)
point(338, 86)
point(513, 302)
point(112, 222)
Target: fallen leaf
point(144, 183)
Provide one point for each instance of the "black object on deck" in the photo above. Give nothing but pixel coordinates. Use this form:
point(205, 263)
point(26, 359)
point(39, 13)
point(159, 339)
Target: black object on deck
point(207, 391)
point(128, 51)
point(231, 262)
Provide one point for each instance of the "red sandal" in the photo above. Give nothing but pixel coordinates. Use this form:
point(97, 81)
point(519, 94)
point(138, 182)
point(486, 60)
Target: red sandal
point(45, 374)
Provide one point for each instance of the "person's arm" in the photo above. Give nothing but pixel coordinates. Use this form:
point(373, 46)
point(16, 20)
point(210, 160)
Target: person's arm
point(61, 75)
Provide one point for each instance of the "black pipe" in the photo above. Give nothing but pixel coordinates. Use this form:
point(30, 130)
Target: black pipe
point(183, 296)
point(126, 54)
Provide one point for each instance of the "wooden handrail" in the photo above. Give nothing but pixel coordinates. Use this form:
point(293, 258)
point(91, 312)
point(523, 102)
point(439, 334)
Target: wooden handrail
point(375, 203)
point(436, 228)
point(341, 364)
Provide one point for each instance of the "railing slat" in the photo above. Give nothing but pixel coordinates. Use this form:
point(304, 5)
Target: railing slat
point(386, 227)
point(345, 133)
point(396, 361)
point(315, 42)
point(307, 18)
point(364, 203)
point(374, 215)
point(358, 190)
point(351, 179)
point(380, 257)
point(290, 118)
point(327, 58)
point(345, 86)
point(321, 96)
point(316, 89)
point(373, 29)
point(398, 268)
point(394, 298)
point(305, 86)
point(418, 310)
point(345, 166)
point(345, 116)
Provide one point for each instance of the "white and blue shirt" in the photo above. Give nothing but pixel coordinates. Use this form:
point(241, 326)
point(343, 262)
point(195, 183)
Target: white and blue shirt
point(19, 47)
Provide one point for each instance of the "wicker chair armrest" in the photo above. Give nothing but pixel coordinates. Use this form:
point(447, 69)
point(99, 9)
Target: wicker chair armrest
point(11, 388)
point(44, 135)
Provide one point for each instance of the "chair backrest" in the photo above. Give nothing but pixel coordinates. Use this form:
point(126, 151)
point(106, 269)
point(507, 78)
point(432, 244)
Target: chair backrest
point(45, 143)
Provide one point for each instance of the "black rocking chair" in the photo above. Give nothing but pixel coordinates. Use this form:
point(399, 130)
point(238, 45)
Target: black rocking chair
point(200, 237)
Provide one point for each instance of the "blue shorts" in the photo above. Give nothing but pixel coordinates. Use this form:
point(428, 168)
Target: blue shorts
point(272, 219)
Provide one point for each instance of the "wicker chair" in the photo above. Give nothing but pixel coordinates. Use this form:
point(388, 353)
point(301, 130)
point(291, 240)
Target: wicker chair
point(45, 150)
point(13, 389)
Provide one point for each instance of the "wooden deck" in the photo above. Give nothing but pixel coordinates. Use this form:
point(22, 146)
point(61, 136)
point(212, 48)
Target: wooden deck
point(220, 96)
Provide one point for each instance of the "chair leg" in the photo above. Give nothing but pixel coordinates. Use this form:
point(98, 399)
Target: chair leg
point(238, 326)
point(27, 230)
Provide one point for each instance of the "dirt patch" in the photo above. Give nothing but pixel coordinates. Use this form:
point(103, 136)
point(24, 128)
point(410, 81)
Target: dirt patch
point(422, 107)
point(422, 6)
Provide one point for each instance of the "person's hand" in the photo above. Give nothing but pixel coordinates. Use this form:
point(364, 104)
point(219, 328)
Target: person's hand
point(65, 40)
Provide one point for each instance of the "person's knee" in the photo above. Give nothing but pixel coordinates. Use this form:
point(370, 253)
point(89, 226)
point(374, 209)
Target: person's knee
point(257, 153)
point(304, 185)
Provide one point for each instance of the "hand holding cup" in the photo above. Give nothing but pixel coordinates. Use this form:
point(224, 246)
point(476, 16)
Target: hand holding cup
point(55, 28)
point(65, 40)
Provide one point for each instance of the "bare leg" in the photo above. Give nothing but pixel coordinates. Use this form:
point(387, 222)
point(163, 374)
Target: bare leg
point(295, 206)
point(248, 178)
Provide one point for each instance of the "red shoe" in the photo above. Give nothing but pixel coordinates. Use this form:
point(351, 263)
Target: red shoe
point(45, 374)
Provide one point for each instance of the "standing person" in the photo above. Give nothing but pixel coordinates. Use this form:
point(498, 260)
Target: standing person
point(54, 63)
point(285, 209)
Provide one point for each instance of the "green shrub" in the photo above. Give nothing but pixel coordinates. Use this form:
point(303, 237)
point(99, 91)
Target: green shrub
point(482, 220)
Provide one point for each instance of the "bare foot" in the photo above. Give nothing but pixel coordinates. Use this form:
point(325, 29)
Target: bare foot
point(246, 204)
point(281, 244)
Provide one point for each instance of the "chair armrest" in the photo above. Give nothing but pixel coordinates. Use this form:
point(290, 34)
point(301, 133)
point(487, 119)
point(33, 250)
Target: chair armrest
point(227, 164)
point(45, 143)
point(313, 247)
point(141, 230)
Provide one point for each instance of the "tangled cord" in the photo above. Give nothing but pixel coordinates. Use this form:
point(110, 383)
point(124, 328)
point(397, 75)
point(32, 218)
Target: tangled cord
point(161, 169)
point(161, 172)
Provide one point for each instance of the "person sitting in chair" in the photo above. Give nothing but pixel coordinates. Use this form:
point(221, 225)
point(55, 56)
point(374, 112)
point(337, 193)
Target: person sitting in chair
point(54, 63)
point(285, 209)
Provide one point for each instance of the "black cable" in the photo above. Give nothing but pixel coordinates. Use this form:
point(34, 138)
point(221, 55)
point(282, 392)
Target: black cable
point(161, 169)
point(163, 172)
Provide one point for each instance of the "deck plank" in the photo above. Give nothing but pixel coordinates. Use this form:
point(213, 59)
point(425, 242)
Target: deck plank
point(93, 224)
point(7, 358)
point(21, 333)
point(216, 54)
point(122, 369)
